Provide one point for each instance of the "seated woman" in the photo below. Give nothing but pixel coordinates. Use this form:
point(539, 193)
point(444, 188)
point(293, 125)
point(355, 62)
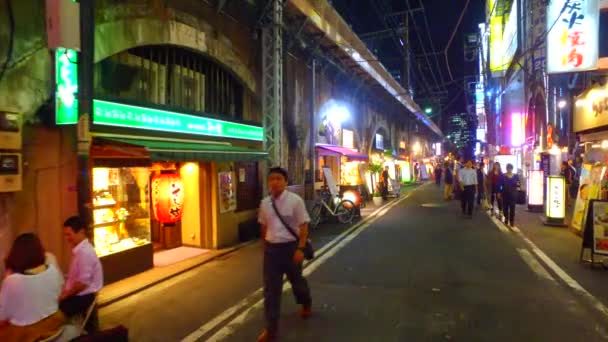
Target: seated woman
point(29, 297)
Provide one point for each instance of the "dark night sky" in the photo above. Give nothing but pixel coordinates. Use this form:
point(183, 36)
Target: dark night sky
point(441, 18)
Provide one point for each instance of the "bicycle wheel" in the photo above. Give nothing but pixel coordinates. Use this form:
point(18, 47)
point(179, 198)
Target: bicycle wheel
point(315, 215)
point(345, 212)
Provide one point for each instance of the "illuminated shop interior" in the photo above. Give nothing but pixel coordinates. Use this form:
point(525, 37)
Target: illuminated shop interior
point(121, 208)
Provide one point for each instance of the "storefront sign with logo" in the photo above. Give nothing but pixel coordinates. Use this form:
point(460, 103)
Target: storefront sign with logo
point(555, 208)
point(591, 109)
point(573, 38)
point(121, 115)
point(66, 85)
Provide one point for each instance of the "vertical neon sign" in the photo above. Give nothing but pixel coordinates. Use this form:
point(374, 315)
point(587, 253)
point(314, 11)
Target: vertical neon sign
point(66, 85)
point(517, 130)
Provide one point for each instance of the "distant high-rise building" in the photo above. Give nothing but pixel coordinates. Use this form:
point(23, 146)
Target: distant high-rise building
point(462, 132)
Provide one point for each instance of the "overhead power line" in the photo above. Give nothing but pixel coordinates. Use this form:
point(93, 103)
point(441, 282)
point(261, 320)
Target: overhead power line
point(464, 10)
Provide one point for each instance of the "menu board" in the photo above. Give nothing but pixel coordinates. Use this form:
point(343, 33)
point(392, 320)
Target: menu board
point(589, 189)
point(331, 183)
point(535, 187)
point(227, 192)
point(556, 197)
point(582, 197)
point(600, 227)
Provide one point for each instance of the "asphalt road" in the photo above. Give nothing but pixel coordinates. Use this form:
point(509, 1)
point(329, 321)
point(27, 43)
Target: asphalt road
point(420, 272)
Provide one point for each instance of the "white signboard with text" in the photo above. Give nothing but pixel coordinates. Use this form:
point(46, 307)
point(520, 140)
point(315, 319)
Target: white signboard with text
point(573, 39)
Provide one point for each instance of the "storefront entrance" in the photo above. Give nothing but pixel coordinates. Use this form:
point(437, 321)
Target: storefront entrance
point(152, 203)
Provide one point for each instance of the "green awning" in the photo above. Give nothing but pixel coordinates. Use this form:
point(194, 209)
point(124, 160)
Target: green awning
point(181, 151)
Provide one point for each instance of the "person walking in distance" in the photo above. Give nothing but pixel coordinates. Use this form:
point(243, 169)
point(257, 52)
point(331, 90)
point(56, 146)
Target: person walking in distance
point(494, 184)
point(481, 189)
point(509, 185)
point(283, 253)
point(449, 182)
point(385, 179)
point(468, 183)
point(438, 173)
point(568, 173)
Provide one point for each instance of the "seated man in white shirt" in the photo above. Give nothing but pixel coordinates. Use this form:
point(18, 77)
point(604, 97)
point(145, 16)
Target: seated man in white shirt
point(85, 277)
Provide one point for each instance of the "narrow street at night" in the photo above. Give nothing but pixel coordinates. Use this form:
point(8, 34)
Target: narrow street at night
point(419, 272)
point(303, 170)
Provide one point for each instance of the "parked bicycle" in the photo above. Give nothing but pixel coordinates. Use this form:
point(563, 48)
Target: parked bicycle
point(344, 210)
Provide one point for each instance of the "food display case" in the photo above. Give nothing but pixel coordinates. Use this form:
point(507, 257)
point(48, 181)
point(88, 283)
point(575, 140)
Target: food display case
point(121, 220)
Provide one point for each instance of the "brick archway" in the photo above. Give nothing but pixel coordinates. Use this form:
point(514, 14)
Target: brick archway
point(121, 35)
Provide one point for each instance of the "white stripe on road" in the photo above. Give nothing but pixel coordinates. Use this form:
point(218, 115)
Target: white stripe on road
point(573, 284)
point(565, 277)
point(499, 224)
point(231, 327)
point(534, 265)
point(310, 266)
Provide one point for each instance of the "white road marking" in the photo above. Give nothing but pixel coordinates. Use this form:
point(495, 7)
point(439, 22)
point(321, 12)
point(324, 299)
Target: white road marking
point(499, 224)
point(565, 277)
point(309, 267)
point(573, 284)
point(534, 265)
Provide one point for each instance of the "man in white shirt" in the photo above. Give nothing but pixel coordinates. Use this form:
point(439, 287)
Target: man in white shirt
point(85, 277)
point(283, 253)
point(467, 178)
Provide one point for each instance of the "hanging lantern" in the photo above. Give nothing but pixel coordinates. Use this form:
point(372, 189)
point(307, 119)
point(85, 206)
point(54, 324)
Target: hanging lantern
point(167, 198)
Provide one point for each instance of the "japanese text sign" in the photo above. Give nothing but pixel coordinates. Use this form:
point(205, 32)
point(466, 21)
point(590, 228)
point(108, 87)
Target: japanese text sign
point(573, 39)
point(556, 197)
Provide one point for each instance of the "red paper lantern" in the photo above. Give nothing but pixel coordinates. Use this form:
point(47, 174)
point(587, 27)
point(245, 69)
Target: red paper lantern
point(167, 197)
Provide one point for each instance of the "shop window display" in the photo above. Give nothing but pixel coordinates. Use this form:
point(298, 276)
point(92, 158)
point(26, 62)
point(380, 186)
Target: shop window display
point(121, 209)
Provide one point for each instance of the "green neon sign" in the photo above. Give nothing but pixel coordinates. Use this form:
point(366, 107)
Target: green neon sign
point(66, 85)
point(121, 115)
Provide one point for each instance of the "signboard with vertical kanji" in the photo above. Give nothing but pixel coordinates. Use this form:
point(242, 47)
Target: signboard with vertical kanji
point(573, 38)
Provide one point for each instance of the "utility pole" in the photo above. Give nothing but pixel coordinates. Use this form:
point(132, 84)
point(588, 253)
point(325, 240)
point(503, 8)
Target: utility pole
point(313, 128)
point(272, 83)
point(85, 107)
point(405, 79)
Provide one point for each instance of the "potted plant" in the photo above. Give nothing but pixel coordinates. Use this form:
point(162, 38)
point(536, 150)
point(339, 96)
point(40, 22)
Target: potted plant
point(374, 169)
point(377, 197)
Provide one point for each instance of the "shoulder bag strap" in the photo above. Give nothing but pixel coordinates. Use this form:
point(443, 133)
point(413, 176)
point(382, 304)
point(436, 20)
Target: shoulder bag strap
point(289, 229)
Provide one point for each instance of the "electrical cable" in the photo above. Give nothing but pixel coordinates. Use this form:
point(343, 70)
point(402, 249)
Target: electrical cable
point(428, 33)
point(445, 52)
point(435, 80)
point(9, 51)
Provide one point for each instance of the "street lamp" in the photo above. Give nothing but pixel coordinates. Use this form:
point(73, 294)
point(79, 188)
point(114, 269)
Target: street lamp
point(562, 104)
point(428, 110)
point(416, 147)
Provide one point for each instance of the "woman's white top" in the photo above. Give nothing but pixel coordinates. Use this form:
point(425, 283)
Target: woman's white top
point(29, 298)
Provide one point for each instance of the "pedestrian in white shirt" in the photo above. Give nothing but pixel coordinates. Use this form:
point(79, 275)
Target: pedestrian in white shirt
point(468, 183)
point(85, 277)
point(283, 252)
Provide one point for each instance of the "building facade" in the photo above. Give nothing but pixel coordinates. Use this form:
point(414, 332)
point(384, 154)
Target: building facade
point(179, 104)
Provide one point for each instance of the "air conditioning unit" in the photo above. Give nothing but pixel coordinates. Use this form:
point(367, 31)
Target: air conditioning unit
point(10, 172)
point(10, 131)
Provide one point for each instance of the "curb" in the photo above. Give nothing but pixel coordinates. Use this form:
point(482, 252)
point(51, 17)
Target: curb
point(219, 254)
